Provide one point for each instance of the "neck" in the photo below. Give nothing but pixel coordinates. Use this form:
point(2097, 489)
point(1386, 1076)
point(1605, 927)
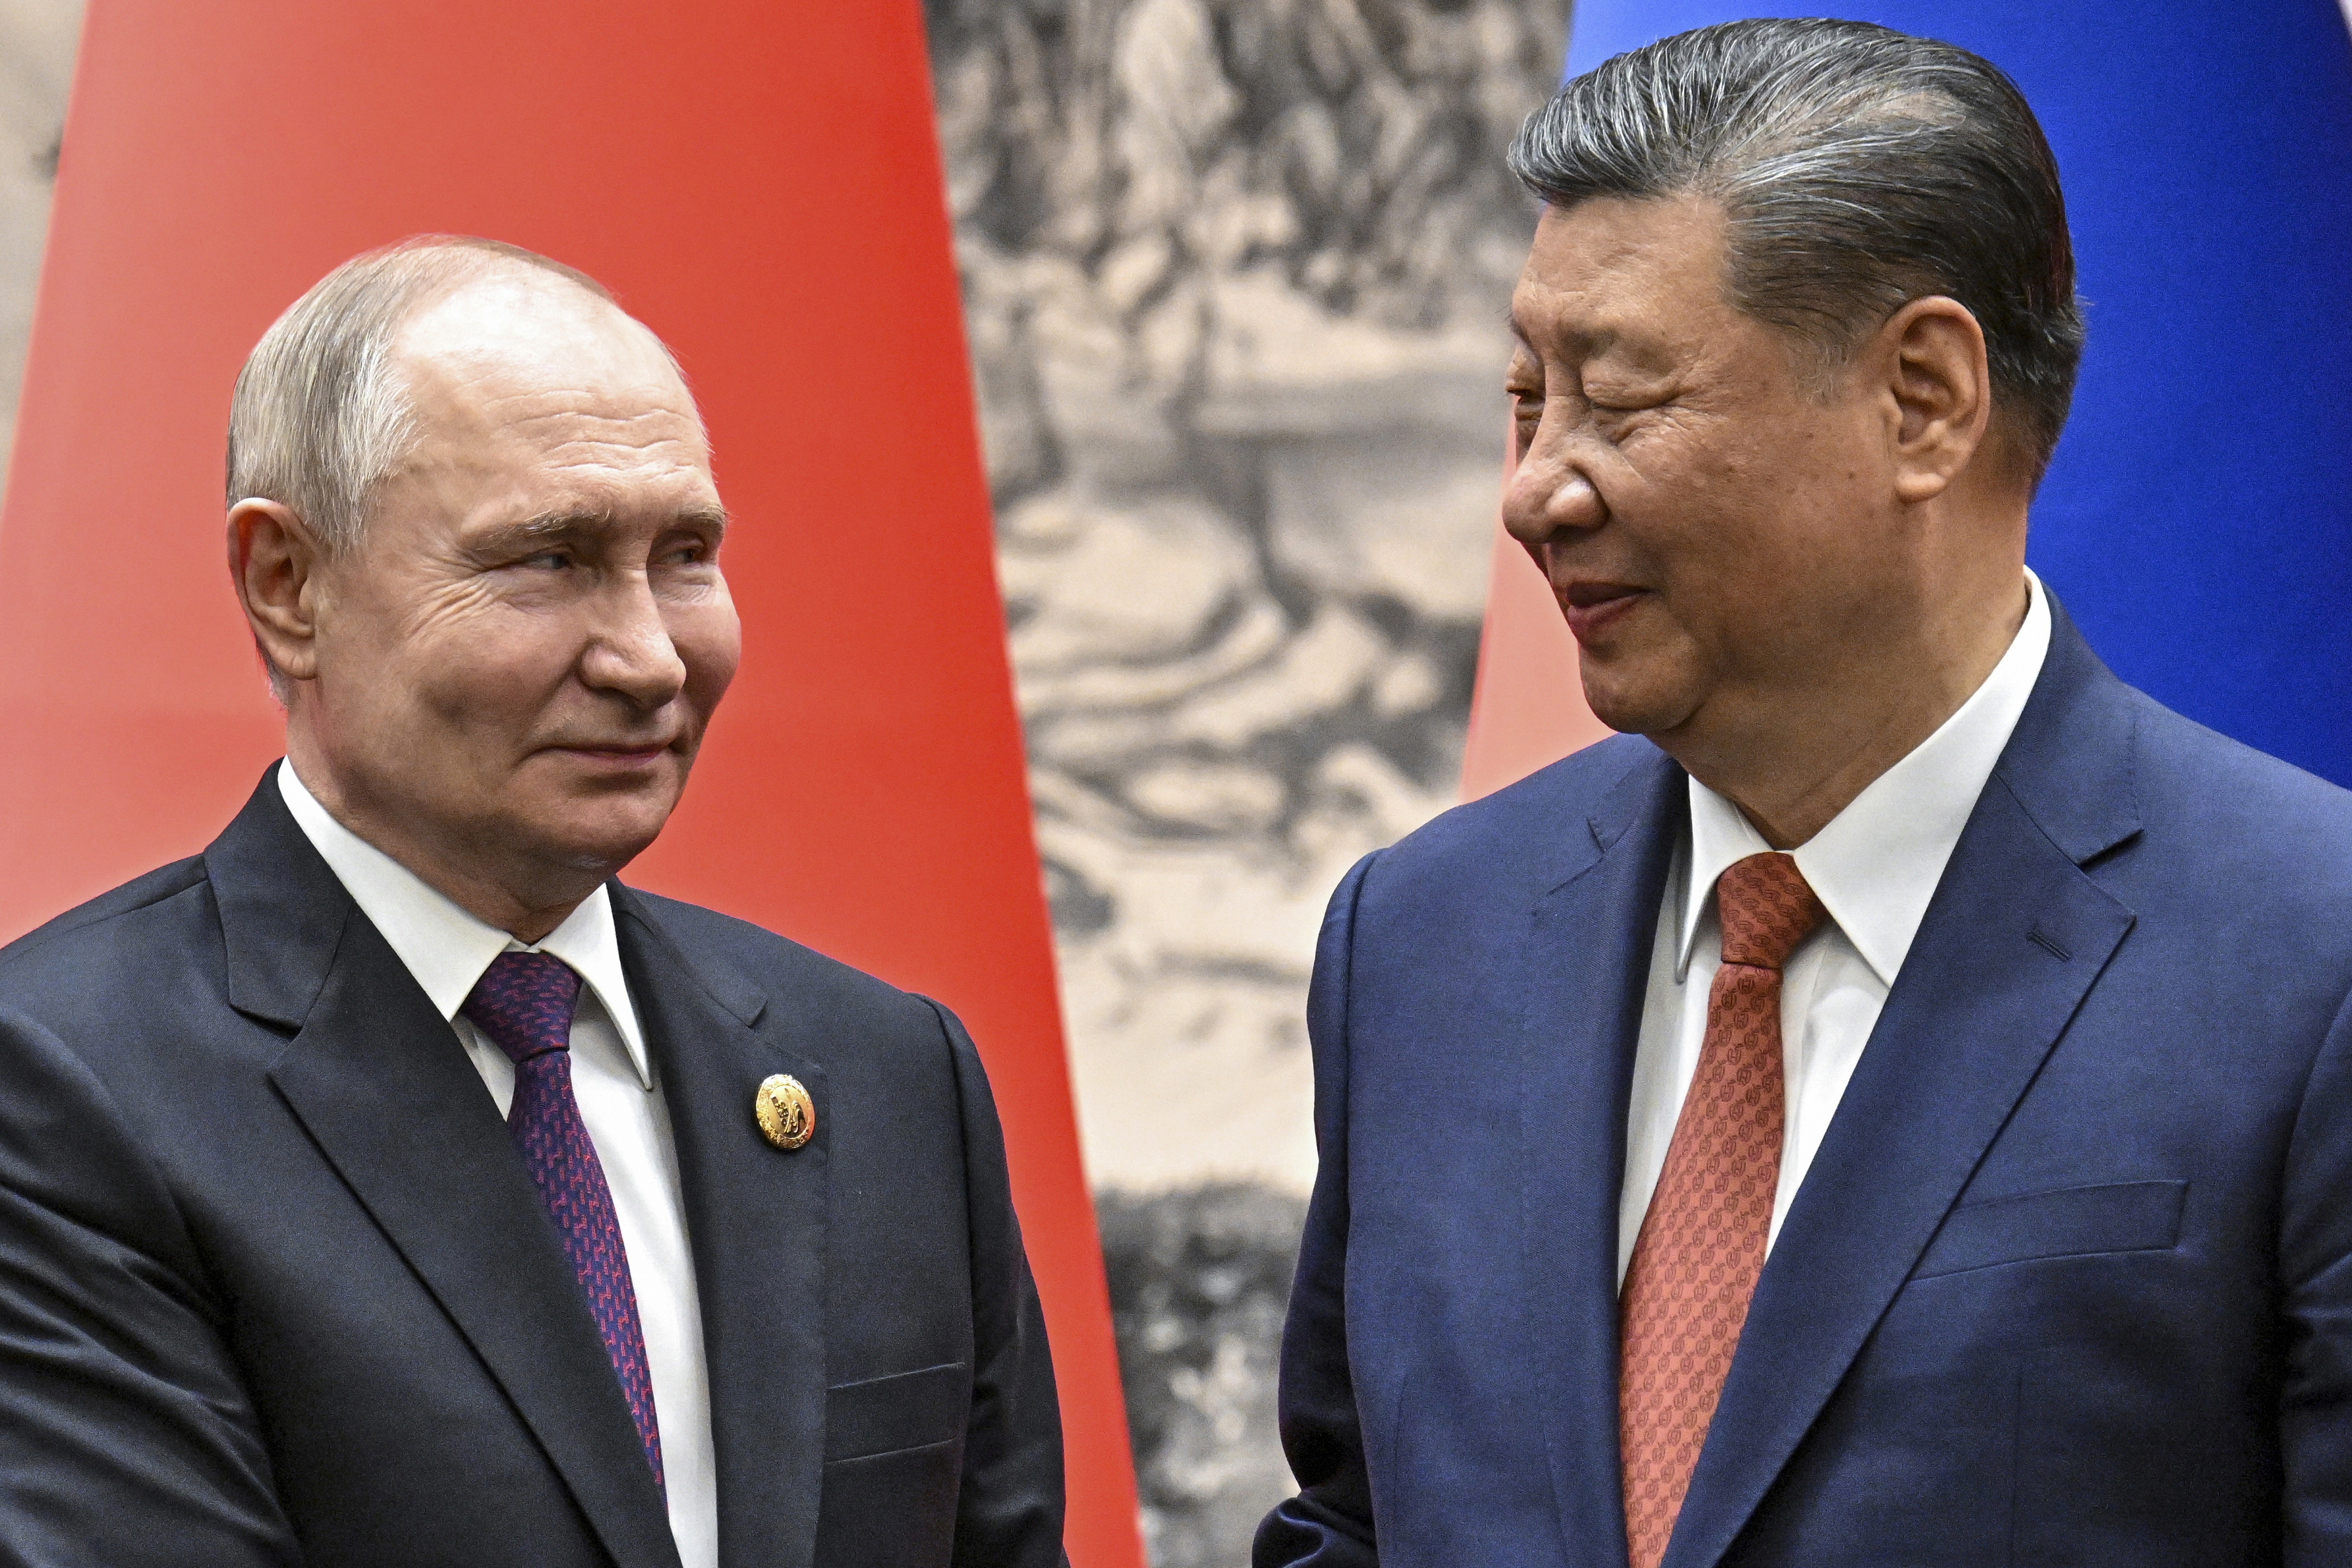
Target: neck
point(526, 907)
point(1807, 751)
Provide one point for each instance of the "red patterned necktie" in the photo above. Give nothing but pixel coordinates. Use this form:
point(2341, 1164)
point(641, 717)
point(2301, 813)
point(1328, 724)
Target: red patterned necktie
point(1702, 1242)
point(524, 1003)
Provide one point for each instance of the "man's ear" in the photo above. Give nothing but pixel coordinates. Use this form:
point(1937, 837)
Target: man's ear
point(1932, 352)
point(275, 561)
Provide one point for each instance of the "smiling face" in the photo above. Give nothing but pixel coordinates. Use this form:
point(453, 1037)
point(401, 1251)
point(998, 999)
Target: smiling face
point(1724, 539)
point(511, 671)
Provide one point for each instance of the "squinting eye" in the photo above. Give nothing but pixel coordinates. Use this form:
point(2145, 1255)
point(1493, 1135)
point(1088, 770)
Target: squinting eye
point(548, 561)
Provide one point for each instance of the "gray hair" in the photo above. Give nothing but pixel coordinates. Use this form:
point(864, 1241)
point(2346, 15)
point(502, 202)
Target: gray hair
point(1859, 169)
point(320, 418)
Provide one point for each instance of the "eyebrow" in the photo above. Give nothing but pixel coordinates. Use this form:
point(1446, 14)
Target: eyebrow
point(1589, 343)
point(554, 526)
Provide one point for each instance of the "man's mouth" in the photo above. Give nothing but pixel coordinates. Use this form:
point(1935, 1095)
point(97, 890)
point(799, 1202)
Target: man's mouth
point(1592, 606)
point(619, 754)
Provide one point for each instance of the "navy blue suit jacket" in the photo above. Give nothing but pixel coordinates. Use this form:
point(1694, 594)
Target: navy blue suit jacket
point(275, 1285)
point(2069, 1281)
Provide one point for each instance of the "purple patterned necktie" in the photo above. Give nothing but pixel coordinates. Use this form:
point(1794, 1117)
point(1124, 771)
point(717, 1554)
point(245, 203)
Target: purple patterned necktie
point(523, 1003)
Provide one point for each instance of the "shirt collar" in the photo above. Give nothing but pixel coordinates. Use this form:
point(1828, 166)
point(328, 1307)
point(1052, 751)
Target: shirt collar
point(1875, 866)
point(445, 947)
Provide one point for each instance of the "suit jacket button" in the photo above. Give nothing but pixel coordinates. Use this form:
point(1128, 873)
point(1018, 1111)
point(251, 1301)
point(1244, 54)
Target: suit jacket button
point(786, 1113)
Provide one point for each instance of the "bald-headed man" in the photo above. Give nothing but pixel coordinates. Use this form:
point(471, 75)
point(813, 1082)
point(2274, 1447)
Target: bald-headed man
point(389, 1185)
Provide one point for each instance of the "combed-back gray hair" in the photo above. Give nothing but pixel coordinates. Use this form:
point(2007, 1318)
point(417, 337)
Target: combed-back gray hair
point(319, 418)
point(1858, 169)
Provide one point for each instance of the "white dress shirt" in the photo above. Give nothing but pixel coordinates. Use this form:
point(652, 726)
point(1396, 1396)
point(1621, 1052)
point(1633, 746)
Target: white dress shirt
point(1874, 866)
point(447, 949)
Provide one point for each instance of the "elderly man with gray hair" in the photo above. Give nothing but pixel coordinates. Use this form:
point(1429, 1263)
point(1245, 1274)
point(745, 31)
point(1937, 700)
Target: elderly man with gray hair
point(1894, 1105)
point(389, 1185)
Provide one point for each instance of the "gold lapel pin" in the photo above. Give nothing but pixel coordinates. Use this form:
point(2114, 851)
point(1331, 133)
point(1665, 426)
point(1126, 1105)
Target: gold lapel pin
point(787, 1115)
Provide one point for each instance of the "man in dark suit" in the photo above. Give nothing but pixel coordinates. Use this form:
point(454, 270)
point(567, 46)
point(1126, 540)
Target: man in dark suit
point(1895, 1105)
point(390, 1185)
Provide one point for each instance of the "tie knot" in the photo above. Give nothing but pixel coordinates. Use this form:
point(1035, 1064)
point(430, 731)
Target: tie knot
point(523, 1002)
point(1766, 907)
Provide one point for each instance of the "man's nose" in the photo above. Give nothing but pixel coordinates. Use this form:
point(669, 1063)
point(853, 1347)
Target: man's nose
point(632, 652)
point(1550, 493)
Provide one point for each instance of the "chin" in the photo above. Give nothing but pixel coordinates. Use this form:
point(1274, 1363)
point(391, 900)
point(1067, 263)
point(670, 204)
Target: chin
point(609, 835)
point(1631, 705)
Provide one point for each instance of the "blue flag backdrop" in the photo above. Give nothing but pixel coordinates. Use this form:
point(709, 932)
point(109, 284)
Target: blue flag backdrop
point(2198, 521)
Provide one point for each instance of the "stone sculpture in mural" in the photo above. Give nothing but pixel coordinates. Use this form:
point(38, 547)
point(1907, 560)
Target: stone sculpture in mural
point(1234, 277)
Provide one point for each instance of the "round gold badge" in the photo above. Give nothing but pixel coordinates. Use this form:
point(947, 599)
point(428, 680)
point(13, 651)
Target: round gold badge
point(787, 1115)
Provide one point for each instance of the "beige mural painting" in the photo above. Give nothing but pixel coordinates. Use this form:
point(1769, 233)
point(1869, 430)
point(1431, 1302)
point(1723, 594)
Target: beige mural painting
point(1234, 275)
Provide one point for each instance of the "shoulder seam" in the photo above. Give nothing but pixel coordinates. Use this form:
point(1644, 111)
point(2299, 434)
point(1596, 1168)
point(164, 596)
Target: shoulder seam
point(64, 924)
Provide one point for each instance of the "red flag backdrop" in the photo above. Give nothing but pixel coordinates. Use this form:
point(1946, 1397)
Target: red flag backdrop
point(762, 185)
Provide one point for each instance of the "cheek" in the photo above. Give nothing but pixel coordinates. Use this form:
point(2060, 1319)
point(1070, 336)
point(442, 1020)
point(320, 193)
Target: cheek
point(1723, 530)
point(1743, 513)
point(493, 668)
point(1689, 516)
point(709, 643)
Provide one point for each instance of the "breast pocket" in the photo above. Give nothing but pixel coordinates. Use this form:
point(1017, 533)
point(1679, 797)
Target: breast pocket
point(2071, 1222)
point(893, 1457)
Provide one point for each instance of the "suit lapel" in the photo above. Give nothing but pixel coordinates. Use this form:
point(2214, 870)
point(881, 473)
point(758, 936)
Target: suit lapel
point(2013, 941)
point(756, 1221)
point(1588, 955)
point(386, 1091)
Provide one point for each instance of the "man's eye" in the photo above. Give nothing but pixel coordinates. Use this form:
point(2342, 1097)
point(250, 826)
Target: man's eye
point(547, 561)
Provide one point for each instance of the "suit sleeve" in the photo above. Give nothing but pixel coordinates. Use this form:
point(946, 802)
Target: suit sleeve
point(1009, 1511)
point(1329, 1523)
point(126, 1435)
point(2315, 1286)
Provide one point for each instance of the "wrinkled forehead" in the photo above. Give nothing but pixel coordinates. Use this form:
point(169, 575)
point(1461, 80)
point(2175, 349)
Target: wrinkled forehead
point(1610, 269)
point(519, 353)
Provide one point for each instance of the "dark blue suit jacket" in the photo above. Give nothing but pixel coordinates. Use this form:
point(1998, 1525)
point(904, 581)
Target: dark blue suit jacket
point(275, 1287)
point(2070, 1280)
